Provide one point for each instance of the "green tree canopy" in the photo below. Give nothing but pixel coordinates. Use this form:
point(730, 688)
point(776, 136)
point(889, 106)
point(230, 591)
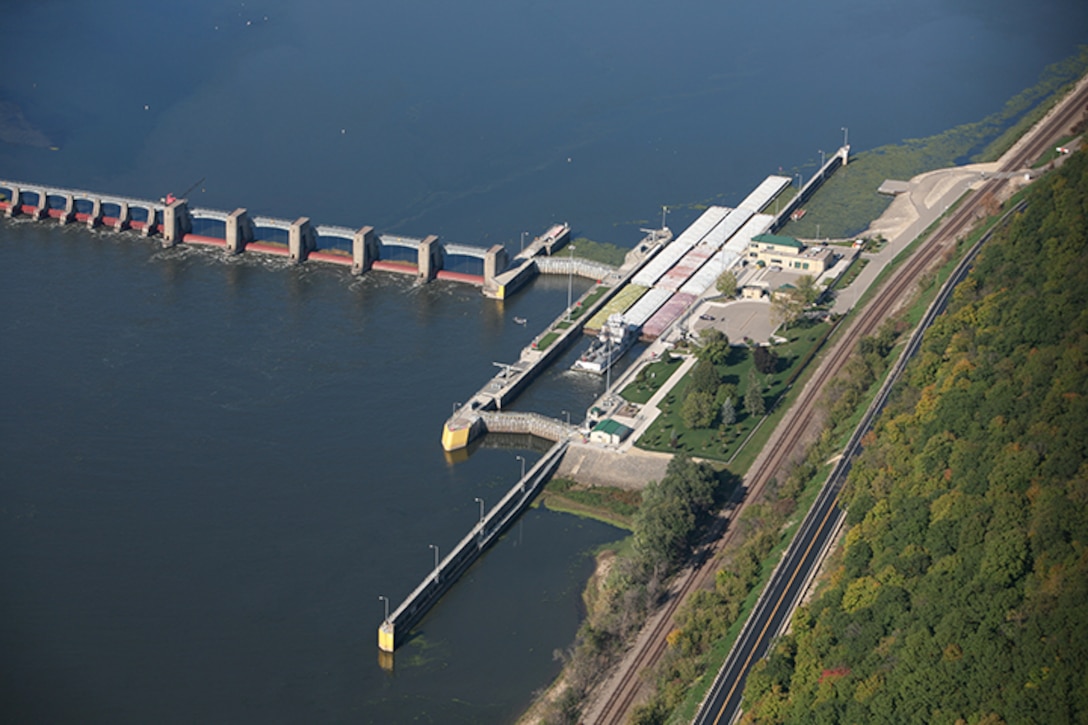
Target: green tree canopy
point(962, 591)
point(753, 396)
point(698, 409)
point(807, 289)
point(713, 346)
point(727, 284)
point(704, 377)
point(786, 307)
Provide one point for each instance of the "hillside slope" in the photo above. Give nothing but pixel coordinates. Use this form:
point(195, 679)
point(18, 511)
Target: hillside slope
point(962, 590)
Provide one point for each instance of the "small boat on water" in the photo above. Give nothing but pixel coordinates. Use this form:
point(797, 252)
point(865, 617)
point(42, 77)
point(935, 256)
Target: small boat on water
point(520, 321)
point(615, 338)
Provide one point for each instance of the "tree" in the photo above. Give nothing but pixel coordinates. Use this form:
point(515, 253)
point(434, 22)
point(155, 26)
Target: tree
point(691, 481)
point(727, 284)
point(765, 359)
point(726, 391)
point(807, 289)
point(704, 378)
point(728, 413)
point(665, 524)
point(662, 526)
point(698, 409)
point(714, 346)
point(753, 397)
point(786, 307)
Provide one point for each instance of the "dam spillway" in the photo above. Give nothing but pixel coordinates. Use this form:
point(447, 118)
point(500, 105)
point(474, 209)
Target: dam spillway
point(174, 221)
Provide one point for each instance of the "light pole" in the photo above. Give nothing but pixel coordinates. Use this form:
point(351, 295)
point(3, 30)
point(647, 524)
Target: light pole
point(481, 502)
point(523, 241)
point(570, 281)
point(664, 211)
point(522, 459)
point(608, 371)
point(845, 135)
point(823, 160)
point(386, 600)
point(799, 180)
point(566, 413)
point(435, 547)
point(455, 407)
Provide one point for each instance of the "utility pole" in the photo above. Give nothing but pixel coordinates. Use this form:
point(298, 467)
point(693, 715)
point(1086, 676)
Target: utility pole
point(386, 600)
point(570, 280)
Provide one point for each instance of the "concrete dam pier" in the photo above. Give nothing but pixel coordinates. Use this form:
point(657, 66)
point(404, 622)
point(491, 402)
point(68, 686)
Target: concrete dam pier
point(174, 221)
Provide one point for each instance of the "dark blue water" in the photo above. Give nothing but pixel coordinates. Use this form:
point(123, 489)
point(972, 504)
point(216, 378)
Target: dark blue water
point(210, 469)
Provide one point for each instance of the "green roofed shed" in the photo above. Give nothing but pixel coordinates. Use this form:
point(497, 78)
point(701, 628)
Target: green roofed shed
point(609, 431)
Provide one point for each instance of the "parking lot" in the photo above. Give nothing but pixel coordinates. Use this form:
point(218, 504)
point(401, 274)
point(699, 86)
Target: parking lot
point(737, 319)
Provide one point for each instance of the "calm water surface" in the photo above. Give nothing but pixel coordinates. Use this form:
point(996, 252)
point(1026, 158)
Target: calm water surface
point(210, 469)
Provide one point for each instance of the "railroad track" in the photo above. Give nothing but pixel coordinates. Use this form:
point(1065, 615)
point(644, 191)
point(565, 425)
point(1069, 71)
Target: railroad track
point(792, 429)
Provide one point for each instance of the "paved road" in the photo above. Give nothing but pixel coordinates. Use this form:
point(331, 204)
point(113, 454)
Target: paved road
point(776, 605)
point(929, 197)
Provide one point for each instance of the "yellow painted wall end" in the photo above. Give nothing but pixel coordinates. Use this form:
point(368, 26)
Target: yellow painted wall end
point(386, 637)
point(456, 438)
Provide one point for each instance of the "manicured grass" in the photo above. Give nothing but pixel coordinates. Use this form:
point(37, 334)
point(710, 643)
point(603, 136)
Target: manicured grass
point(595, 295)
point(712, 443)
point(547, 340)
point(652, 378)
point(851, 274)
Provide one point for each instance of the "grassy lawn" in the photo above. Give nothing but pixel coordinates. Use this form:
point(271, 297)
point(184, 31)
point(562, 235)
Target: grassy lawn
point(851, 273)
point(548, 339)
point(716, 444)
point(595, 295)
point(652, 378)
point(615, 506)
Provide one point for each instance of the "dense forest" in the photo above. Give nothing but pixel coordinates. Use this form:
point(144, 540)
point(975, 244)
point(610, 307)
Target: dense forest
point(961, 590)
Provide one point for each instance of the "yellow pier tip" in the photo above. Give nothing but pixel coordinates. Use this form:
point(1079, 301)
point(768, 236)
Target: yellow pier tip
point(455, 434)
point(386, 637)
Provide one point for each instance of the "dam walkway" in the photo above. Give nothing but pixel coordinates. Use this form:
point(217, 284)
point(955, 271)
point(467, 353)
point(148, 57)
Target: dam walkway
point(174, 221)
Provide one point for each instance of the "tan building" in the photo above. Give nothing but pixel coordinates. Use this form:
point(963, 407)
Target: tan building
point(789, 254)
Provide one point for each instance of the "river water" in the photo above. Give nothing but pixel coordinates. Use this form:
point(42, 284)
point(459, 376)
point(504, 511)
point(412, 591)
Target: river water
point(211, 469)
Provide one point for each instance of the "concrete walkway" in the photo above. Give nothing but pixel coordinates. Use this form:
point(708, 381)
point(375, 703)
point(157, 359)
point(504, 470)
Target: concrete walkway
point(929, 196)
point(649, 411)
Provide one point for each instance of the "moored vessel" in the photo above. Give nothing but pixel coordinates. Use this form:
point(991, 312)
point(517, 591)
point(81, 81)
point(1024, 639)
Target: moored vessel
point(616, 337)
